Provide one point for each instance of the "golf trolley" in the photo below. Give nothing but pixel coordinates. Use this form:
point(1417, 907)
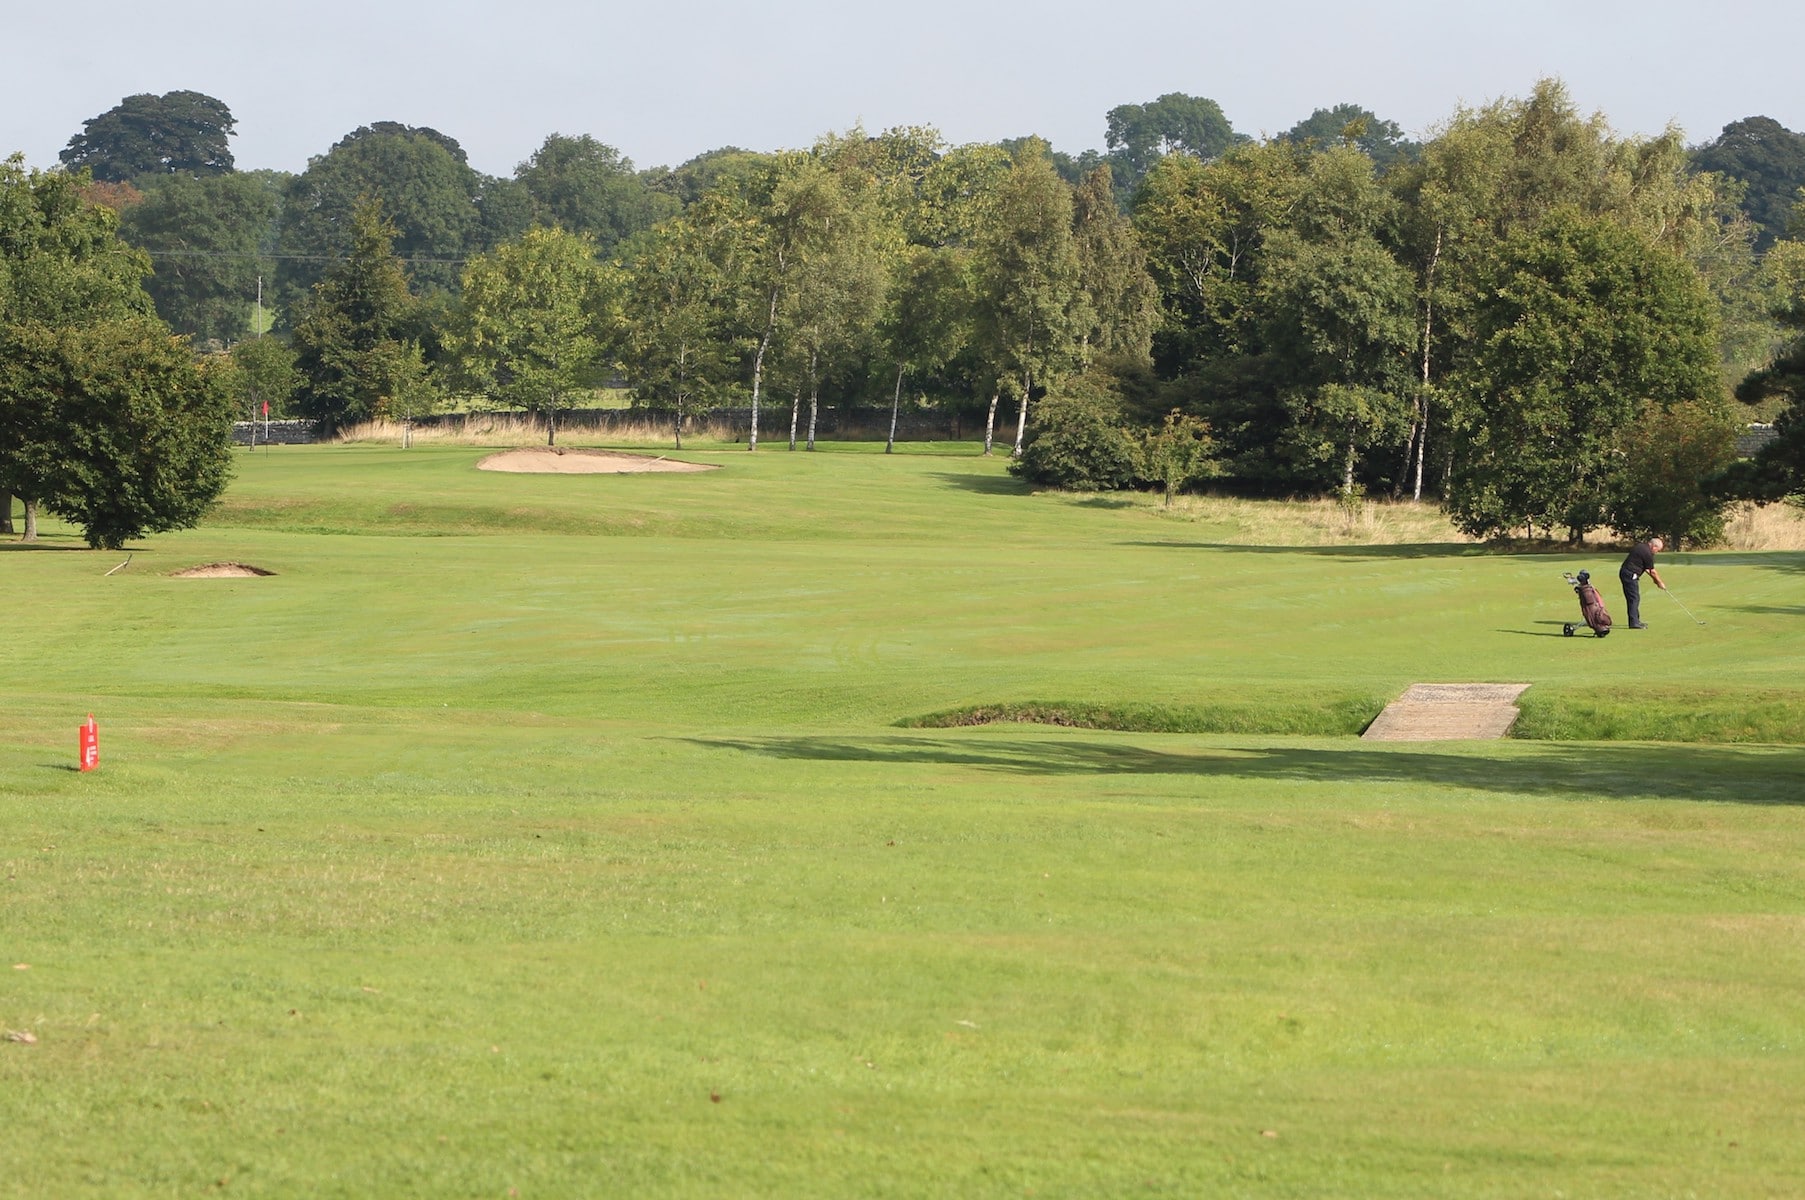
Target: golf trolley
point(1591, 606)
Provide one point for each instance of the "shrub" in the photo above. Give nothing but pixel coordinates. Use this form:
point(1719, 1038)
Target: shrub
point(1078, 441)
point(1660, 487)
point(1178, 452)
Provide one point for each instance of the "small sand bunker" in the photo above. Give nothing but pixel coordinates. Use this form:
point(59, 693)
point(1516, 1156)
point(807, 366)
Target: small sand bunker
point(222, 570)
point(557, 460)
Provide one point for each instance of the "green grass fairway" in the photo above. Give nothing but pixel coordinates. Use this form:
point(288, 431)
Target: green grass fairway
point(554, 836)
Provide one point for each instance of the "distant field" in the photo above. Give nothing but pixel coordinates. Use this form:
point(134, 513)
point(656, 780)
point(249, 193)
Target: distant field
point(559, 835)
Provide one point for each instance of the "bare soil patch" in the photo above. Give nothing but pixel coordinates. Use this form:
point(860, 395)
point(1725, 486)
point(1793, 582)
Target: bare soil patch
point(222, 570)
point(560, 460)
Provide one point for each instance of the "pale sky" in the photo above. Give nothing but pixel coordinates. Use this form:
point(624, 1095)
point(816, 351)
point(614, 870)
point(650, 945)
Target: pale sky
point(665, 81)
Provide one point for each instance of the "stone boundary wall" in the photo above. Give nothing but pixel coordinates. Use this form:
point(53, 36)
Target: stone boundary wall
point(276, 433)
point(1751, 439)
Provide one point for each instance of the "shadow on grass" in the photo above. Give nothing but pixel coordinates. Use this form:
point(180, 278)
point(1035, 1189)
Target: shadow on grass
point(1629, 772)
point(987, 485)
point(1396, 550)
point(1579, 630)
point(1772, 560)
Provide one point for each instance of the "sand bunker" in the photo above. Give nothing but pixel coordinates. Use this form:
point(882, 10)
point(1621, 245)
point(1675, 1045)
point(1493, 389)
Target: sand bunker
point(557, 460)
point(222, 570)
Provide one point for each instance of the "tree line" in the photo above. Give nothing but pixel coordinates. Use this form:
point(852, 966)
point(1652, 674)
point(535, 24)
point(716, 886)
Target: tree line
point(1525, 316)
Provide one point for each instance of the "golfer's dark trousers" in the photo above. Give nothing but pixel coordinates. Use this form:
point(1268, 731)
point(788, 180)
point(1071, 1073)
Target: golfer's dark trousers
point(1632, 596)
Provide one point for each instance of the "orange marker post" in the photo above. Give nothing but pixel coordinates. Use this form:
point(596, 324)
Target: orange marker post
point(90, 744)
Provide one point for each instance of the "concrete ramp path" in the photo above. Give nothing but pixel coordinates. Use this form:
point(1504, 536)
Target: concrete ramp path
point(1445, 712)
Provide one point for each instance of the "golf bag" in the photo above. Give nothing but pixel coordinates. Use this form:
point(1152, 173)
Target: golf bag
point(1591, 606)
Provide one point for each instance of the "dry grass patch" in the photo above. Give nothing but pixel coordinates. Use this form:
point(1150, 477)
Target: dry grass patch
point(1326, 521)
point(1323, 521)
point(1765, 527)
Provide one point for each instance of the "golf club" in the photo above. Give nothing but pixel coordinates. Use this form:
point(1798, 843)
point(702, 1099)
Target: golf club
point(1683, 607)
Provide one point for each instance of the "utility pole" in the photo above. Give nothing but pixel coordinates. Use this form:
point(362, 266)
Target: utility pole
point(266, 402)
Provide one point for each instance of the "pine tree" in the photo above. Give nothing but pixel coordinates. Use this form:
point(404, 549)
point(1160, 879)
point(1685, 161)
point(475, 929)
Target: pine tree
point(353, 342)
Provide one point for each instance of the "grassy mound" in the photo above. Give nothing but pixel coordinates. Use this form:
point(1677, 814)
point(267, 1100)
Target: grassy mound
point(1701, 715)
point(1324, 717)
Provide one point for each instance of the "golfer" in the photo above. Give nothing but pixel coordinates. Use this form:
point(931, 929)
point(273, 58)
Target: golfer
point(1638, 562)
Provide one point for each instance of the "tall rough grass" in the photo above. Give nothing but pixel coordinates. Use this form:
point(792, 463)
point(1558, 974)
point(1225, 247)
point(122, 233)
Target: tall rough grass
point(1765, 527)
point(1331, 521)
point(1325, 521)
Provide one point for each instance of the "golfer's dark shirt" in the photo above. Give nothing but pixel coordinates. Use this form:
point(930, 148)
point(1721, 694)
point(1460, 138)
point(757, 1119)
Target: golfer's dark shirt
point(1639, 559)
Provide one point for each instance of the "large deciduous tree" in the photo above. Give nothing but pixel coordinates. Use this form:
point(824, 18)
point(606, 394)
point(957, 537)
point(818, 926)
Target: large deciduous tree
point(177, 133)
point(927, 320)
point(1444, 237)
point(678, 309)
point(536, 322)
point(1350, 125)
point(104, 418)
point(429, 192)
point(1340, 322)
point(1205, 227)
point(956, 196)
point(141, 432)
point(1769, 160)
point(206, 238)
point(589, 187)
point(1139, 135)
point(724, 167)
point(1500, 171)
point(777, 211)
point(1582, 324)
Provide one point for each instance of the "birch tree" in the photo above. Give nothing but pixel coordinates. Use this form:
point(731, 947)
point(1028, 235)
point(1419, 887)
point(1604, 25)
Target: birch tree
point(774, 210)
point(845, 254)
point(927, 321)
point(1031, 310)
